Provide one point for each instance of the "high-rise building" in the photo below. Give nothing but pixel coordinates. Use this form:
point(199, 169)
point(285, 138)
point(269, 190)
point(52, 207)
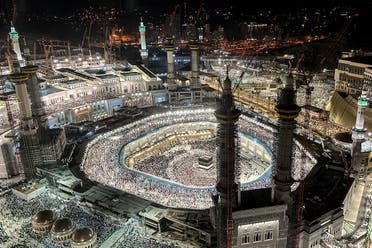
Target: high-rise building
point(351, 76)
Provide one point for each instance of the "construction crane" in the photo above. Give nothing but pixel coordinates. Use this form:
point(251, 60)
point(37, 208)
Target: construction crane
point(306, 122)
point(12, 134)
point(48, 47)
point(87, 34)
point(171, 21)
point(86, 37)
point(331, 48)
point(201, 10)
point(51, 44)
point(107, 48)
point(14, 16)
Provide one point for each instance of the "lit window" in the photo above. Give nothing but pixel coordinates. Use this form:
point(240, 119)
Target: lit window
point(245, 239)
point(268, 235)
point(257, 237)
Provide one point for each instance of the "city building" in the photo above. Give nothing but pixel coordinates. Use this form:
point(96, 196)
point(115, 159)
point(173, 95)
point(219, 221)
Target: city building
point(351, 76)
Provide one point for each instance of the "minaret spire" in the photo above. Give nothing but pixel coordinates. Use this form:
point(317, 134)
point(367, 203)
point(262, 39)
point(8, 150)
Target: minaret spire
point(142, 30)
point(227, 115)
point(287, 110)
point(15, 44)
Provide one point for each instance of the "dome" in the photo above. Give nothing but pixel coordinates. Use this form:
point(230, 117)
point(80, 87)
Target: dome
point(62, 225)
point(82, 235)
point(44, 216)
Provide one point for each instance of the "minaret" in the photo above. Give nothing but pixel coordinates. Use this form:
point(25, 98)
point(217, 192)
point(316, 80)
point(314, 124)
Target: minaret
point(37, 105)
point(195, 82)
point(13, 62)
point(27, 123)
point(169, 47)
point(287, 110)
point(227, 188)
point(354, 205)
point(15, 43)
point(29, 144)
point(358, 134)
point(194, 47)
point(142, 30)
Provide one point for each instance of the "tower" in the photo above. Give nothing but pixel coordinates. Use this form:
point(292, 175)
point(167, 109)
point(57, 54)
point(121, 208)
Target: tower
point(195, 83)
point(355, 210)
point(287, 110)
point(13, 62)
point(169, 47)
point(33, 87)
point(227, 189)
point(194, 47)
point(358, 134)
point(15, 43)
point(29, 145)
point(142, 30)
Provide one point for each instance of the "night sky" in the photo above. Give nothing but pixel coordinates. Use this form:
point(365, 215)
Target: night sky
point(157, 8)
point(66, 6)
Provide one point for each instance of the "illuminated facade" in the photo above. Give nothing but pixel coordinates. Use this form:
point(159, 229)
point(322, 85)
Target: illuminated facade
point(349, 75)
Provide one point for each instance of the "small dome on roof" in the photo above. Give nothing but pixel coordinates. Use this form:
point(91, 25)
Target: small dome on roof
point(82, 235)
point(62, 225)
point(44, 216)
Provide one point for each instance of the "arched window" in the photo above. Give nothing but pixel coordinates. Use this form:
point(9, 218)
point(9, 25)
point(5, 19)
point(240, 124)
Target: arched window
point(245, 239)
point(257, 237)
point(269, 235)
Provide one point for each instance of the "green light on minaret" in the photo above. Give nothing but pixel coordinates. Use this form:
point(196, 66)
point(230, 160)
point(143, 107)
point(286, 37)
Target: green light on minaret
point(13, 33)
point(142, 28)
point(362, 103)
